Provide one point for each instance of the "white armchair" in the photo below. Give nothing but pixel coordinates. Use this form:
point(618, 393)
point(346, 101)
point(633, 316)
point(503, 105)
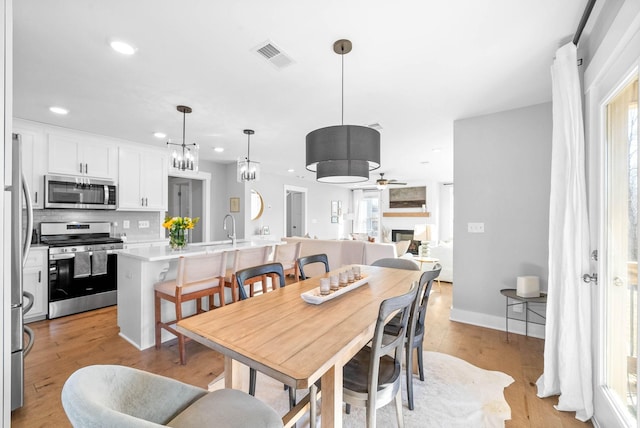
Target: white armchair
point(444, 252)
point(118, 396)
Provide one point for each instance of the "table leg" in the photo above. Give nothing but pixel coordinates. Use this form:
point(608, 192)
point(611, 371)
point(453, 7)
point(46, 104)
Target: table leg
point(332, 398)
point(232, 373)
point(313, 404)
point(526, 319)
point(506, 317)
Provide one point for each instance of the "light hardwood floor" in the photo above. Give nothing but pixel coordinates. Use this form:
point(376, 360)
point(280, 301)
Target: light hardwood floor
point(65, 344)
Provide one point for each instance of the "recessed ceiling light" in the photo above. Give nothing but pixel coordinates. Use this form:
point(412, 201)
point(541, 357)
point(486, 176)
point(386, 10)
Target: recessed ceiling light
point(218, 149)
point(425, 162)
point(160, 135)
point(58, 110)
point(291, 170)
point(436, 150)
point(122, 47)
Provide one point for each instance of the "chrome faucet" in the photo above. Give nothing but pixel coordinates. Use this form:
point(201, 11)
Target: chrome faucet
point(231, 235)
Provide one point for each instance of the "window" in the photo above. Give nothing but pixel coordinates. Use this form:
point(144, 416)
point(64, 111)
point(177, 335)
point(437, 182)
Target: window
point(367, 212)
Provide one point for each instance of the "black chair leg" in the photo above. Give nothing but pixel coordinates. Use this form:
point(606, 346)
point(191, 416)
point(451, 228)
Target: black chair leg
point(420, 362)
point(252, 382)
point(409, 372)
point(348, 409)
point(292, 398)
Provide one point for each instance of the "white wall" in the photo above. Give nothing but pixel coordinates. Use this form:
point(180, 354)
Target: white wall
point(224, 186)
point(219, 197)
point(319, 197)
point(445, 224)
point(502, 178)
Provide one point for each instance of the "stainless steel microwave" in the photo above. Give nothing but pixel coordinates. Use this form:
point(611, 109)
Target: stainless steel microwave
point(79, 193)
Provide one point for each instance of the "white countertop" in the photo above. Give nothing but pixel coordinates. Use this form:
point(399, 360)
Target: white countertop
point(153, 254)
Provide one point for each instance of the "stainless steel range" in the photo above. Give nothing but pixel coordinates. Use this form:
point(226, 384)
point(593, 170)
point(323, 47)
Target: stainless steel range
point(82, 266)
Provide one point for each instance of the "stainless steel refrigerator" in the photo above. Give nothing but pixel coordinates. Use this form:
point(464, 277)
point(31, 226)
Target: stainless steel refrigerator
point(20, 243)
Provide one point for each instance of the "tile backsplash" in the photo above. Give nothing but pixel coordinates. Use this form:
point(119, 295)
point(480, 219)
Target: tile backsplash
point(116, 218)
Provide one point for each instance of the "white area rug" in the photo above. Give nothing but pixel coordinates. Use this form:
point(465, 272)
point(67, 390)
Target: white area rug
point(453, 394)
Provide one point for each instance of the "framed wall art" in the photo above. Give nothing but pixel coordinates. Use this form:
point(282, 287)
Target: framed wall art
point(408, 197)
point(234, 205)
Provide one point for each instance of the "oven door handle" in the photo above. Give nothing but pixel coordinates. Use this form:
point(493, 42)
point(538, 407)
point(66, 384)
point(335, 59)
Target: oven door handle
point(62, 256)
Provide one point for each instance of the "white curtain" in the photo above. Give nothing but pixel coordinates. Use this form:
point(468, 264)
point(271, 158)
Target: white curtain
point(567, 351)
point(360, 210)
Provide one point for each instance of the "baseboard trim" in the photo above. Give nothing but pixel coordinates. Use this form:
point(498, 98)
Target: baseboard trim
point(495, 322)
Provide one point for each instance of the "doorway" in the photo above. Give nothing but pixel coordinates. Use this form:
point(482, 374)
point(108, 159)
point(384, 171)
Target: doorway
point(618, 293)
point(295, 211)
point(616, 225)
point(188, 198)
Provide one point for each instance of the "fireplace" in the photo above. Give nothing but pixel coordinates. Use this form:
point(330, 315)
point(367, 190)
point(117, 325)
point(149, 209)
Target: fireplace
point(406, 235)
point(401, 235)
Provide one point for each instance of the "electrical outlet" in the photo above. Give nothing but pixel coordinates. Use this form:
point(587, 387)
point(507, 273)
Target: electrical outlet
point(143, 224)
point(475, 227)
point(125, 224)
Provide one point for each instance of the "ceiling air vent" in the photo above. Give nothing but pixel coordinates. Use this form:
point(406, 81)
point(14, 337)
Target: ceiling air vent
point(269, 51)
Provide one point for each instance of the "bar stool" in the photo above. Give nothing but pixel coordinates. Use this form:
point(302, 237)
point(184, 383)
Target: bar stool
point(287, 255)
point(198, 277)
point(242, 259)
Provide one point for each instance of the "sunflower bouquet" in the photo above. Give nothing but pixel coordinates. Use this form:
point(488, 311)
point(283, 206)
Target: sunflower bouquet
point(178, 228)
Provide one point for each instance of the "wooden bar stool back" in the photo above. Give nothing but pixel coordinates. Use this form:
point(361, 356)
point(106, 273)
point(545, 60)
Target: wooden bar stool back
point(246, 258)
point(287, 255)
point(197, 277)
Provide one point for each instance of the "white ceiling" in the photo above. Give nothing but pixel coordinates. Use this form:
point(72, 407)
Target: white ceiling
point(416, 66)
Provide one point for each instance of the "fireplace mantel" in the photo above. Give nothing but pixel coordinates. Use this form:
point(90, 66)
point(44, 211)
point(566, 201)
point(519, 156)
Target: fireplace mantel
point(406, 214)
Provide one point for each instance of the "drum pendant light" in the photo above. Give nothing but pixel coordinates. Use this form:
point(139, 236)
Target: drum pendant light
point(343, 153)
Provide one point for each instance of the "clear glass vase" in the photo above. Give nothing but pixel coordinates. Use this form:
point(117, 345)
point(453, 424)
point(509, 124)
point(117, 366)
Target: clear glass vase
point(178, 238)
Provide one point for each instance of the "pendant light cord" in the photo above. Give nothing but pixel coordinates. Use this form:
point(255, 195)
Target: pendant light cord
point(342, 95)
point(184, 120)
point(248, 147)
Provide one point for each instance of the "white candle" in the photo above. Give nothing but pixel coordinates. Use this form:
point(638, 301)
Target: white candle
point(343, 279)
point(356, 272)
point(528, 286)
point(324, 286)
point(334, 282)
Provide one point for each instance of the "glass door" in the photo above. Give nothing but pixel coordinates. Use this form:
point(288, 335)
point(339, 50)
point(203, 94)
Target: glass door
point(618, 293)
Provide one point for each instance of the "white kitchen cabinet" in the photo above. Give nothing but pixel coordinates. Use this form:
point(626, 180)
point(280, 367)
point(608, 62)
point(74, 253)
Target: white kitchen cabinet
point(143, 180)
point(35, 281)
point(34, 161)
point(86, 156)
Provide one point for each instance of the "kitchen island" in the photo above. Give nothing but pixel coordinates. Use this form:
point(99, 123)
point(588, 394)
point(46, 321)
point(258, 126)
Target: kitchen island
point(140, 268)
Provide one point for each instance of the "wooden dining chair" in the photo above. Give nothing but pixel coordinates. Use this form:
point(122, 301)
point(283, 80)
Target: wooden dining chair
point(315, 258)
point(242, 259)
point(415, 332)
point(244, 277)
point(197, 277)
point(288, 255)
point(372, 378)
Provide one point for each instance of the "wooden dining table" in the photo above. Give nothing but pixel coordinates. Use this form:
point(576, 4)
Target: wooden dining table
point(295, 342)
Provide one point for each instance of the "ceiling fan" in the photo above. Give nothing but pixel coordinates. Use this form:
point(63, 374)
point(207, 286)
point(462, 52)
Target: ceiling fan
point(382, 182)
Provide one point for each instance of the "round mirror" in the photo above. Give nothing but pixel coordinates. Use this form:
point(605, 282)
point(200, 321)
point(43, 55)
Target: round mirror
point(257, 205)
